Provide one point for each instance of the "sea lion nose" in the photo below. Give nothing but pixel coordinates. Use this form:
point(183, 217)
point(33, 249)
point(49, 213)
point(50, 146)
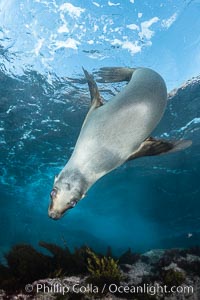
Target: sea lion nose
point(54, 215)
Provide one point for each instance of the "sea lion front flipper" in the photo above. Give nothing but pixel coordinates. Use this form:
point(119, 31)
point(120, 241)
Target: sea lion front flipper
point(114, 74)
point(152, 146)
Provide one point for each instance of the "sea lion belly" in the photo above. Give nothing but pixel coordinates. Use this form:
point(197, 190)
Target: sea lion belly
point(117, 128)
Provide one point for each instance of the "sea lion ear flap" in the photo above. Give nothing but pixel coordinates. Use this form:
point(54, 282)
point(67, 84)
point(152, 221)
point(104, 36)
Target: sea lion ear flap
point(96, 99)
point(55, 178)
point(83, 196)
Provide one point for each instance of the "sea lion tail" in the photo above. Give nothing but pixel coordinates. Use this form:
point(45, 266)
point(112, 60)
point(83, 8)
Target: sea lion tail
point(114, 74)
point(152, 146)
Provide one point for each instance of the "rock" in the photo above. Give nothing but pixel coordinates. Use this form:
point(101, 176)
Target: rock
point(173, 266)
point(154, 255)
point(151, 273)
point(137, 272)
point(192, 258)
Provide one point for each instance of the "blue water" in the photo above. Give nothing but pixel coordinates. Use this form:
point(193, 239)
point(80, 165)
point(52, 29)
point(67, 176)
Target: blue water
point(147, 203)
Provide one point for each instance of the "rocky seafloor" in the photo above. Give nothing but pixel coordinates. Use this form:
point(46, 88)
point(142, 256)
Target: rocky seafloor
point(158, 274)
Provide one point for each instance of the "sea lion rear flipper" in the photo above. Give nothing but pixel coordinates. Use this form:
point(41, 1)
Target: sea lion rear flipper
point(96, 99)
point(152, 146)
point(114, 74)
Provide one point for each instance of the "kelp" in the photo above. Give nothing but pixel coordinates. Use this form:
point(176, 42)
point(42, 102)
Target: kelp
point(103, 270)
point(24, 265)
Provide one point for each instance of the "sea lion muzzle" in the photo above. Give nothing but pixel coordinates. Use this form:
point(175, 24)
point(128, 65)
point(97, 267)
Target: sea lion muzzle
point(54, 215)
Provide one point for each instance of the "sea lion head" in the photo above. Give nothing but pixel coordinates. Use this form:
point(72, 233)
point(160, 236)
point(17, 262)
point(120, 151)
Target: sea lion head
point(65, 195)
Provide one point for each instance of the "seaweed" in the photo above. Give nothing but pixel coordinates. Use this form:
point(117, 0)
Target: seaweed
point(80, 259)
point(168, 257)
point(103, 270)
point(23, 260)
point(60, 260)
point(4, 273)
point(173, 278)
point(129, 257)
point(24, 265)
point(191, 267)
point(193, 250)
point(65, 262)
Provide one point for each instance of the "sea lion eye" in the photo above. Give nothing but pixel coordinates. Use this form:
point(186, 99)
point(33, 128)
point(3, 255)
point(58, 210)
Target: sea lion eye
point(53, 193)
point(72, 203)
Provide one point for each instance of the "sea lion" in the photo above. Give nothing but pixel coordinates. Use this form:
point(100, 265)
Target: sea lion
point(114, 133)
